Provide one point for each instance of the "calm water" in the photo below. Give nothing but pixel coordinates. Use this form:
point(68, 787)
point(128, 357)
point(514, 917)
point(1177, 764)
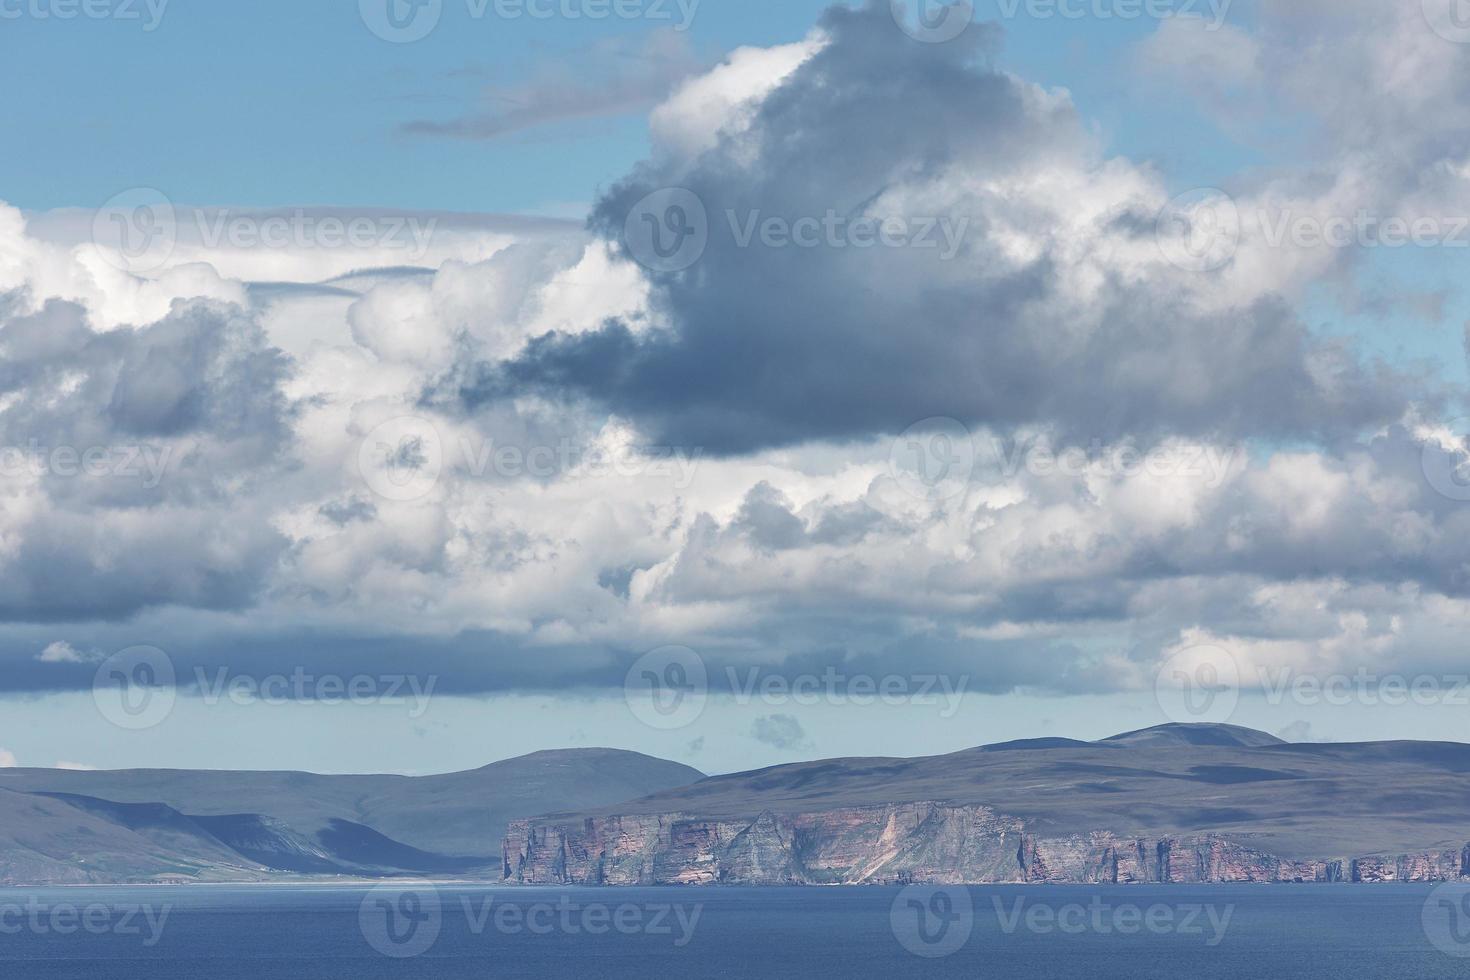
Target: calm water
point(315, 933)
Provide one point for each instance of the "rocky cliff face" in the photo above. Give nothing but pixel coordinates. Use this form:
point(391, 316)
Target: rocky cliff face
point(908, 842)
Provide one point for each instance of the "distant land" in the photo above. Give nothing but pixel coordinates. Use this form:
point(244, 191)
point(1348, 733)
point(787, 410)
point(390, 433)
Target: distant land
point(65, 827)
point(1176, 803)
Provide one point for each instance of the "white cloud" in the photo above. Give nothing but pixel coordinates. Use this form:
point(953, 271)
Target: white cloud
point(722, 100)
point(61, 652)
point(1035, 576)
point(1376, 100)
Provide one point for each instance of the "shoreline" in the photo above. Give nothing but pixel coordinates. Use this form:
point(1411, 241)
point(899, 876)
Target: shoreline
point(369, 883)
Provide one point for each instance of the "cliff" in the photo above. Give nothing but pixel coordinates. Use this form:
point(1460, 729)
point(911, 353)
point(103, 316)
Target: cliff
point(1178, 803)
point(934, 843)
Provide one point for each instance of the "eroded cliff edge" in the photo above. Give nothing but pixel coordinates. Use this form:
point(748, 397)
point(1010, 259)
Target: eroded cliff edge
point(929, 842)
point(1176, 803)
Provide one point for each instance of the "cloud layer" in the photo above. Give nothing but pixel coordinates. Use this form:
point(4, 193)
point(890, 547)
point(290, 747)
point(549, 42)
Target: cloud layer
point(1043, 453)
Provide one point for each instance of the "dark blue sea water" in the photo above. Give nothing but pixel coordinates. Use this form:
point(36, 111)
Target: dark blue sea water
point(450, 932)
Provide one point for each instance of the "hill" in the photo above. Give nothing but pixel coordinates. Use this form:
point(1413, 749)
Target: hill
point(1199, 802)
point(138, 825)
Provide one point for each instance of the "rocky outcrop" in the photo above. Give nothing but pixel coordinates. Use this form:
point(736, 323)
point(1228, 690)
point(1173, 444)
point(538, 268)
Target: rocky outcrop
point(1449, 865)
point(875, 844)
point(901, 843)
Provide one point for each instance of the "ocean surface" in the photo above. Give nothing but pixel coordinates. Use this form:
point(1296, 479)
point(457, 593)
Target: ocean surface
point(447, 932)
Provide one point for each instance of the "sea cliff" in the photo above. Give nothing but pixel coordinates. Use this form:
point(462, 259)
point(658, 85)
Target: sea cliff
point(932, 842)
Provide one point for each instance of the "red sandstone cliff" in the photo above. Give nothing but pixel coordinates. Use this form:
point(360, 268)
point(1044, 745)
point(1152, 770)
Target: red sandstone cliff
point(909, 842)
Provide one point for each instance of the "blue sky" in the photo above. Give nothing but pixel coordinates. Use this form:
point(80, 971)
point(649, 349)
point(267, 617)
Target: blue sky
point(279, 102)
point(282, 103)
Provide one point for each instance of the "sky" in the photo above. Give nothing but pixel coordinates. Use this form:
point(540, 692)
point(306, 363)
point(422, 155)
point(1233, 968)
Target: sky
point(403, 385)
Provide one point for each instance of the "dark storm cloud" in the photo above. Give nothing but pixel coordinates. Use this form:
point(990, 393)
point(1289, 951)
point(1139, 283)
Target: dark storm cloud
point(772, 346)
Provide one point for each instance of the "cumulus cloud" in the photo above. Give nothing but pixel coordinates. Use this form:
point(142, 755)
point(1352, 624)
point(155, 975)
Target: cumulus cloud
point(1372, 104)
point(521, 459)
point(724, 99)
point(7, 759)
point(129, 457)
point(1029, 287)
point(61, 652)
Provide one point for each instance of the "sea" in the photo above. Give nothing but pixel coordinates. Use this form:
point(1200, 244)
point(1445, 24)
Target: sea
point(453, 931)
